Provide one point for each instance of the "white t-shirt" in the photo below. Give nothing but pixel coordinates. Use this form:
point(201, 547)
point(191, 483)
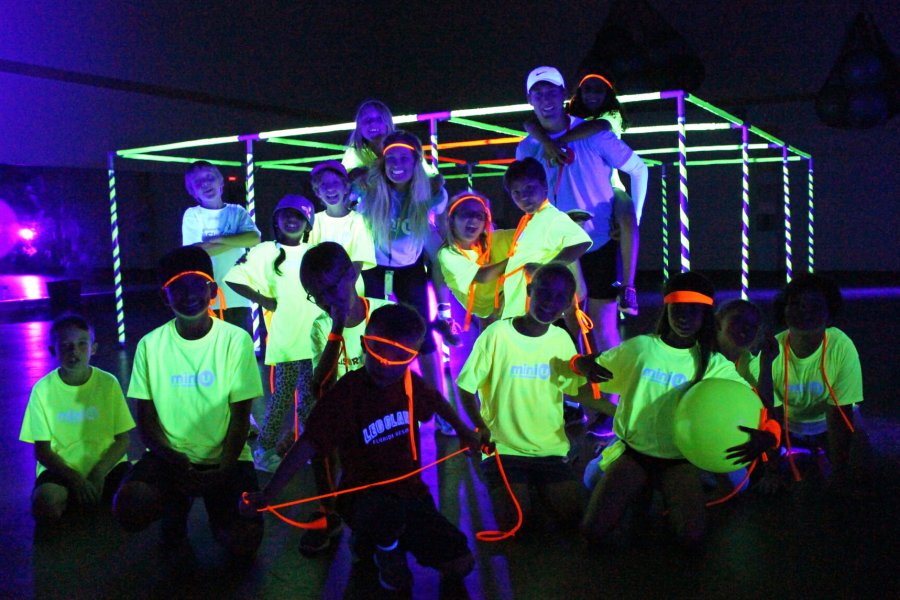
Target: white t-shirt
point(403, 249)
point(585, 183)
point(192, 383)
point(80, 421)
point(202, 224)
point(351, 232)
point(290, 323)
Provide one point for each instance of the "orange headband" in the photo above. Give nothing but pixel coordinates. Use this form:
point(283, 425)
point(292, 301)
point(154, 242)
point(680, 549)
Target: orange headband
point(183, 273)
point(479, 199)
point(685, 297)
point(383, 360)
point(398, 145)
point(595, 76)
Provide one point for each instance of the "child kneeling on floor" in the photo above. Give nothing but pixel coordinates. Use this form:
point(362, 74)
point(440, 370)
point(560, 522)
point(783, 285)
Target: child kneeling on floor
point(367, 417)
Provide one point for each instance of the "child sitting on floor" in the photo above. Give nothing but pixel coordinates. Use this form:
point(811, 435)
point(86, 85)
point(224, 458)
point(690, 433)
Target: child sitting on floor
point(78, 421)
point(371, 416)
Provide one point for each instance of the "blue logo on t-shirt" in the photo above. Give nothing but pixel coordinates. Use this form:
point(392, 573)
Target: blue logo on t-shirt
point(79, 416)
point(664, 377)
point(813, 388)
point(526, 371)
point(383, 429)
point(204, 378)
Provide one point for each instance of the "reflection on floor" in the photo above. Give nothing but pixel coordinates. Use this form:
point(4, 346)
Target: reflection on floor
point(803, 544)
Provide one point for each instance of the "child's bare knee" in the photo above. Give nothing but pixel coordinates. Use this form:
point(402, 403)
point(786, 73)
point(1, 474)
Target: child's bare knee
point(48, 503)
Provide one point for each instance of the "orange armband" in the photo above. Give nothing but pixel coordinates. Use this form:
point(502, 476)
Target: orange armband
point(773, 427)
point(333, 337)
point(572, 365)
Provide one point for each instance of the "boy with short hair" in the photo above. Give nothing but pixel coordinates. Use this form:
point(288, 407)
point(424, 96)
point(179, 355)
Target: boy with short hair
point(367, 417)
point(544, 234)
point(193, 381)
point(583, 184)
point(520, 368)
point(78, 421)
point(223, 230)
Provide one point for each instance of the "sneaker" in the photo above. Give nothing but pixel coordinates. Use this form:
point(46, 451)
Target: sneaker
point(627, 301)
point(443, 427)
point(573, 414)
point(314, 541)
point(266, 460)
point(393, 571)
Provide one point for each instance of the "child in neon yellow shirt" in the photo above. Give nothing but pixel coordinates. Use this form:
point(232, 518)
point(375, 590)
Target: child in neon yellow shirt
point(520, 369)
point(474, 256)
point(78, 421)
point(193, 381)
point(544, 234)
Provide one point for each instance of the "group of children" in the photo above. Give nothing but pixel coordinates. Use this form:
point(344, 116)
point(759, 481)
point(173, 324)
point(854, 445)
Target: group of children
point(340, 352)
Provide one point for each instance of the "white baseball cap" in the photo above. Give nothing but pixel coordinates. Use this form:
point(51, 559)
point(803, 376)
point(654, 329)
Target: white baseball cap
point(548, 74)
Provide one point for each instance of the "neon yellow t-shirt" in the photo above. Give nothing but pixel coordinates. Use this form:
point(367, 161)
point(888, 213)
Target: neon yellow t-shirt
point(808, 395)
point(290, 321)
point(351, 232)
point(548, 233)
point(80, 422)
point(460, 267)
point(520, 381)
point(650, 375)
point(352, 342)
point(192, 382)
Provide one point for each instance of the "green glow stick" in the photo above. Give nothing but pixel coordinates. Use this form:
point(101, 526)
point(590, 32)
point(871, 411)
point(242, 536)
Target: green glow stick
point(488, 127)
point(307, 144)
point(179, 145)
point(181, 159)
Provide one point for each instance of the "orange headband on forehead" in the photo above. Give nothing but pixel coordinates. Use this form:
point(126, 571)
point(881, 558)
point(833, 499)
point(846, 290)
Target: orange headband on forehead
point(685, 297)
point(183, 273)
point(478, 199)
point(399, 145)
point(595, 76)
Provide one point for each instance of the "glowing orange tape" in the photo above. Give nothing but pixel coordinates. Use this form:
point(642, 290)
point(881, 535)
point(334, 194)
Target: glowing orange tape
point(595, 76)
point(183, 273)
point(398, 145)
point(687, 297)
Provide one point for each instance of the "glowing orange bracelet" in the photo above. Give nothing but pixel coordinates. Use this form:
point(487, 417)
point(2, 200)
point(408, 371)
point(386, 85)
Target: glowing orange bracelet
point(573, 367)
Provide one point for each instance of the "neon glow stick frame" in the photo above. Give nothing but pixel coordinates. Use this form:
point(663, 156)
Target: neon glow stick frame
point(495, 167)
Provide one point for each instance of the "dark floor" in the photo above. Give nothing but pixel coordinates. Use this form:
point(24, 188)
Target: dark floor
point(804, 544)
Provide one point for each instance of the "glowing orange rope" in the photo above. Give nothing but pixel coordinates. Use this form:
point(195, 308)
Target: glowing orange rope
point(585, 324)
point(407, 379)
point(520, 229)
point(485, 536)
point(787, 437)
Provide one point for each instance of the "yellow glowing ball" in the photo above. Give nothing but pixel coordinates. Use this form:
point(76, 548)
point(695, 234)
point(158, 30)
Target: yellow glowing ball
point(707, 419)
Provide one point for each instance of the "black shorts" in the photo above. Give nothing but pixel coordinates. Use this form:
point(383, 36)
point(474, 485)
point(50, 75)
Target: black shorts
point(527, 470)
point(376, 515)
point(653, 465)
point(221, 501)
point(410, 286)
point(110, 484)
point(602, 269)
